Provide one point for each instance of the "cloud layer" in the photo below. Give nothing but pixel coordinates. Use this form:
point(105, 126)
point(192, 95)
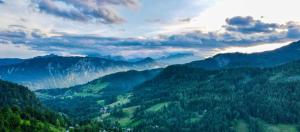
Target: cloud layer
point(85, 10)
point(248, 25)
point(243, 31)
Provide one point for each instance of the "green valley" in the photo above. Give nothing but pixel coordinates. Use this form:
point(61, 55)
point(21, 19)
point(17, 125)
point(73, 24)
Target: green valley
point(84, 102)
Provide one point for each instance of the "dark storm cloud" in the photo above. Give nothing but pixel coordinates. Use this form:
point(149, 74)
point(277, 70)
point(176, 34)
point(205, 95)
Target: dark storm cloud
point(248, 25)
point(85, 10)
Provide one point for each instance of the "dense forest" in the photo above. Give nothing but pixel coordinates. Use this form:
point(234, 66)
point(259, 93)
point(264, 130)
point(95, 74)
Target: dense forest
point(21, 111)
point(184, 98)
point(13, 94)
point(199, 100)
point(30, 120)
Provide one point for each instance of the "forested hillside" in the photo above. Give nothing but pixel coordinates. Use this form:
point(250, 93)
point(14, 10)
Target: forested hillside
point(13, 94)
point(21, 111)
point(192, 99)
point(275, 57)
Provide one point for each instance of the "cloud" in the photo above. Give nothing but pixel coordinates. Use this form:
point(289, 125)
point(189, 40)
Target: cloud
point(240, 21)
point(14, 37)
point(293, 30)
point(195, 42)
point(185, 20)
point(18, 51)
point(1, 2)
point(248, 25)
point(240, 31)
point(156, 20)
point(85, 10)
point(13, 34)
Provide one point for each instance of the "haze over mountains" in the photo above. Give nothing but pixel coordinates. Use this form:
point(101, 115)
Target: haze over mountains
point(54, 71)
point(58, 72)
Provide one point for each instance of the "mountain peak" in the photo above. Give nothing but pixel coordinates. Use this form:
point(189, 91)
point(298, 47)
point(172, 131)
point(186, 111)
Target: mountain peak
point(48, 56)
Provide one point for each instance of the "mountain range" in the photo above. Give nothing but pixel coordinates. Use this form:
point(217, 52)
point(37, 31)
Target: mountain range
point(58, 72)
point(256, 92)
point(250, 92)
point(54, 71)
point(275, 57)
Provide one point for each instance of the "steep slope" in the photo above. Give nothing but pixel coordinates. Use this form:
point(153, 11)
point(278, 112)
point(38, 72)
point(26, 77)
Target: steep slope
point(84, 101)
point(181, 98)
point(264, 59)
point(57, 72)
point(16, 95)
point(21, 111)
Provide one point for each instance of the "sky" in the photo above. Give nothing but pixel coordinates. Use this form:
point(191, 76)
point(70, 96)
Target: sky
point(131, 29)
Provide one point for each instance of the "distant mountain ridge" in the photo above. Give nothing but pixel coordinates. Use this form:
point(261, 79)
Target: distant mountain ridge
point(275, 57)
point(54, 71)
point(179, 58)
point(10, 61)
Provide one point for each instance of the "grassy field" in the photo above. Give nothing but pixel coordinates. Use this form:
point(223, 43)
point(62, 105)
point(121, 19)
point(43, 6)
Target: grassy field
point(101, 102)
point(91, 88)
point(121, 100)
point(127, 120)
point(157, 107)
point(279, 128)
point(242, 126)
